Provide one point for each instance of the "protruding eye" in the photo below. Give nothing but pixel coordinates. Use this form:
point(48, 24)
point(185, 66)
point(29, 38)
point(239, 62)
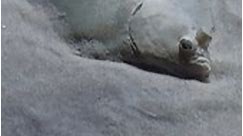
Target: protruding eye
point(186, 44)
point(203, 39)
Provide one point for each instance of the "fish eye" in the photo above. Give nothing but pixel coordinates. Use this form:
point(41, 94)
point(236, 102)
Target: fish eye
point(186, 44)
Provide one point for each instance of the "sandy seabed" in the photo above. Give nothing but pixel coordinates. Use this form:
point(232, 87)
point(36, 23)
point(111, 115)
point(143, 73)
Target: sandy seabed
point(47, 90)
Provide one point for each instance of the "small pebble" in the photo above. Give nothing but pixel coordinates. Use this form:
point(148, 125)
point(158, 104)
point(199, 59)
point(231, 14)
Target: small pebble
point(3, 26)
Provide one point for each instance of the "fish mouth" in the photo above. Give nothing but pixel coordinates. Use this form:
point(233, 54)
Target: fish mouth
point(201, 62)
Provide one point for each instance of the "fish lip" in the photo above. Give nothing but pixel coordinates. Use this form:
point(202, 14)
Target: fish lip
point(202, 62)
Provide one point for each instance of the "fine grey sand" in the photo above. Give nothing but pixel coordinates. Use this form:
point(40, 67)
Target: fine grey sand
point(47, 90)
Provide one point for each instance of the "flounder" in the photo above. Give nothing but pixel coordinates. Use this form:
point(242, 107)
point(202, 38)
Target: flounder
point(155, 35)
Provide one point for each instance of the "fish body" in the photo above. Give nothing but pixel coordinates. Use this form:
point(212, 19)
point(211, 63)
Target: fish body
point(155, 35)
